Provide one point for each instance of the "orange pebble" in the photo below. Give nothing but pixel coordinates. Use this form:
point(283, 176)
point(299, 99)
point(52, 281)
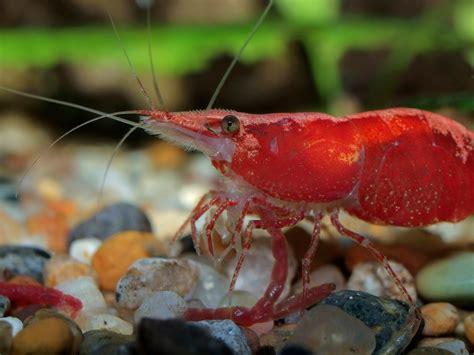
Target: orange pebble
point(166, 155)
point(24, 280)
point(118, 252)
point(62, 268)
point(53, 226)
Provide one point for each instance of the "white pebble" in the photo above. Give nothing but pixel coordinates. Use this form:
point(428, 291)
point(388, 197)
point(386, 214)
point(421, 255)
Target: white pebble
point(108, 322)
point(84, 249)
point(16, 324)
point(85, 289)
point(161, 305)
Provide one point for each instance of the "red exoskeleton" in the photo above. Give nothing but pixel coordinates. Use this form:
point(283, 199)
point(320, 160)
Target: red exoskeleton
point(401, 167)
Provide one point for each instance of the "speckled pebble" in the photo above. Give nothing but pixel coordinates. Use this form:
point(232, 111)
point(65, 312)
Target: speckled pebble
point(22, 260)
point(229, 333)
point(371, 277)
point(469, 328)
point(62, 267)
point(105, 342)
point(149, 275)
point(110, 220)
point(121, 250)
point(440, 318)
point(108, 322)
point(161, 305)
point(4, 305)
point(328, 330)
point(450, 279)
point(84, 249)
point(47, 336)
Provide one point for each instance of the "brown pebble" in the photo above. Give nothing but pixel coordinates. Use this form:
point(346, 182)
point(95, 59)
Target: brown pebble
point(62, 268)
point(24, 280)
point(278, 336)
point(48, 336)
point(252, 339)
point(469, 328)
point(440, 318)
point(121, 250)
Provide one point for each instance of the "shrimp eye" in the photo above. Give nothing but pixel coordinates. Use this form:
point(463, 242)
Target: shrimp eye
point(230, 124)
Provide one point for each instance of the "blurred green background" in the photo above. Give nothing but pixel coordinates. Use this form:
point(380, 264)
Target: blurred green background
point(336, 56)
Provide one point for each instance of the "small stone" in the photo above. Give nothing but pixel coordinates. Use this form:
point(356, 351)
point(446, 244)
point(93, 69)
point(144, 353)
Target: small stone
point(108, 322)
point(172, 336)
point(278, 336)
point(117, 253)
point(392, 321)
point(22, 260)
point(111, 220)
point(323, 274)
point(229, 333)
point(252, 339)
point(85, 289)
point(49, 313)
point(84, 249)
point(440, 318)
point(327, 329)
point(469, 328)
point(15, 324)
point(6, 337)
point(455, 346)
point(149, 275)
point(105, 342)
point(238, 298)
point(294, 349)
point(211, 286)
point(450, 280)
point(161, 305)
point(46, 336)
point(429, 351)
point(24, 280)
point(61, 268)
point(4, 305)
point(371, 277)
point(53, 226)
point(260, 258)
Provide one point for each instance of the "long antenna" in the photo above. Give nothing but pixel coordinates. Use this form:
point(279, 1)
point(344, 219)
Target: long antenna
point(132, 68)
point(239, 54)
point(159, 97)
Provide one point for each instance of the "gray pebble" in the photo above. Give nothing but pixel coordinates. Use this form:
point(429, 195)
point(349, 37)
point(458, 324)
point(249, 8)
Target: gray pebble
point(229, 333)
point(22, 260)
point(4, 305)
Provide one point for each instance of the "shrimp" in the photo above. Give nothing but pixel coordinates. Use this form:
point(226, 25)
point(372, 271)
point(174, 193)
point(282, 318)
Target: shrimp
point(400, 166)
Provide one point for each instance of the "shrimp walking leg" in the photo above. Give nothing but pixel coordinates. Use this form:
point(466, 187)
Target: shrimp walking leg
point(309, 255)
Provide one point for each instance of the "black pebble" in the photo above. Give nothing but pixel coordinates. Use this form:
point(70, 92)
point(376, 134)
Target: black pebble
point(106, 342)
point(173, 336)
point(112, 219)
point(295, 350)
point(23, 260)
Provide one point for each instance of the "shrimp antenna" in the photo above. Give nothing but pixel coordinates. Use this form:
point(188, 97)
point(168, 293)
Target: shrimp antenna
point(51, 145)
point(159, 97)
point(239, 54)
point(132, 68)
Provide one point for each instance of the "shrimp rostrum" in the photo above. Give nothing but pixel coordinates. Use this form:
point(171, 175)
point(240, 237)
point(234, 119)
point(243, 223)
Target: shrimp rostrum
point(401, 167)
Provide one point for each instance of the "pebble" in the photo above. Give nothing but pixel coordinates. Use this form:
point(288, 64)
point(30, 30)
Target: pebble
point(62, 267)
point(293, 349)
point(429, 351)
point(85, 289)
point(121, 250)
point(47, 336)
point(371, 277)
point(211, 285)
point(161, 305)
point(149, 275)
point(111, 220)
point(24, 280)
point(106, 342)
point(238, 298)
point(108, 322)
point(389, 319)
point(44, 313)
point(440, 318)
point(455, 346)
point(327, 329)
point(469, 328)
point(173, 336)
point(52, 226)
point(6, 337)
point(450, 279)
point(260, 258)
point(23, 260)
point(83, 249)
point(278, 336)
point(324, 274)
point(4, 305)
point(227, 331)
point(15, 324)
